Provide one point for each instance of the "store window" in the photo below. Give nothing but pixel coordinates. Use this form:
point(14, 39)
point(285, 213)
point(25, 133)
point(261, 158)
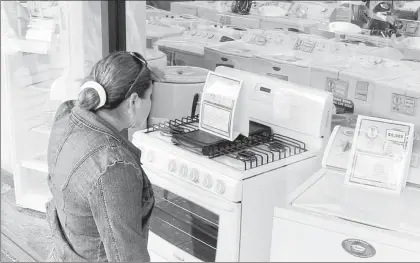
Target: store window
point(48, 47)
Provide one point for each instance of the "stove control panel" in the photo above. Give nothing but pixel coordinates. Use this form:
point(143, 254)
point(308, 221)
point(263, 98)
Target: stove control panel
point(197, 175)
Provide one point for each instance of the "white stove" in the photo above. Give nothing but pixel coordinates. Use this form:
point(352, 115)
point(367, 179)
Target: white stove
point(333, 221)
point(188, 49)
point(215, 203)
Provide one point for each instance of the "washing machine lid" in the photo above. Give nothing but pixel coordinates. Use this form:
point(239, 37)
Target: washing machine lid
point(159, 31)
point(152, 54)
point(329, 195)
point(185, 74)
point(372, 67)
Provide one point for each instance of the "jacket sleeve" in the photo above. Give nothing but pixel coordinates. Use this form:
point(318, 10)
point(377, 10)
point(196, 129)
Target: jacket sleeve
point(116, 203)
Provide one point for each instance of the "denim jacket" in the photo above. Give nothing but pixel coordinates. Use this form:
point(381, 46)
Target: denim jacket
point(102, 199)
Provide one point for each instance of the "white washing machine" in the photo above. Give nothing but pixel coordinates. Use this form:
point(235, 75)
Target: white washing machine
point(302, 16)
point(292, 63)
point(153, 12)
point(156, 58)
point(240, 54)
point(156, 30)
point(167, 25)
point(188, 49)
point(412, 48)
point(184, 7)
point(400, 99)
point(328, 220)
point(353, 80)
point(173, 98)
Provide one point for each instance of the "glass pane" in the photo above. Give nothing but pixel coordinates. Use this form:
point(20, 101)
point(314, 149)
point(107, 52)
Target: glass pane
point(185, 224)
point(42, 58)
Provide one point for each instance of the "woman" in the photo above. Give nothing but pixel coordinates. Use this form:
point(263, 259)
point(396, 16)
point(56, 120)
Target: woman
point(102, 199)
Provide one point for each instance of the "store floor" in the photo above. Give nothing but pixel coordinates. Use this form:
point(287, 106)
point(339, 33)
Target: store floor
point(25, 234)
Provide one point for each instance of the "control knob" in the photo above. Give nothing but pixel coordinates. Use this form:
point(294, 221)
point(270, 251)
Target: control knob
point(207, 181)
point(183, 171)
point(172, 166)
point(194, 175)
point(220, 187)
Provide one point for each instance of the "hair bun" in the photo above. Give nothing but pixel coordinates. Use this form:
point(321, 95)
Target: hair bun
point(92, 96)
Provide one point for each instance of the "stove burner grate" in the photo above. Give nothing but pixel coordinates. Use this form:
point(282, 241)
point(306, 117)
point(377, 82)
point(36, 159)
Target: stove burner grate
point(259, 148)
point(177, 126)
point(246, 156)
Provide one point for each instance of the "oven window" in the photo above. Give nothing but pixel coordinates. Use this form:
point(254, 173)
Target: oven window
point(185, 224)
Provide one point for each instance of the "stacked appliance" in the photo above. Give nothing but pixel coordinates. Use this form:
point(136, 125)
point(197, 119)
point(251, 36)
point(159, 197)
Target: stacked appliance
point(177, 94)
point(214, 198)
point(188, 49)
point(356, 224)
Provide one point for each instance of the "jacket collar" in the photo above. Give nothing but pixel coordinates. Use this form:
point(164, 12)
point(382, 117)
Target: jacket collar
point(92, 120)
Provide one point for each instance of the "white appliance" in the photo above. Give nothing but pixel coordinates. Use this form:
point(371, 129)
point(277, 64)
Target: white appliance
point(188, 49)
point(292, 62)
point(303, 16)
point(153, 12)
point(332, 221)
point(216, 203)
point(240, 54)
point(167, 25)
point(156, 58)
point(408, 46)
point(411, 48)
point(353, 80)
point(173, 97)
point(399, 99)
point(184, 7)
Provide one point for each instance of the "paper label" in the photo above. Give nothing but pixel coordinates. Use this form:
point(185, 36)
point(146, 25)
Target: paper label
point(381, 154)
point(218, 106)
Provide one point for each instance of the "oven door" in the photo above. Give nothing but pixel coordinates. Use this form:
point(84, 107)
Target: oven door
point(190, 224)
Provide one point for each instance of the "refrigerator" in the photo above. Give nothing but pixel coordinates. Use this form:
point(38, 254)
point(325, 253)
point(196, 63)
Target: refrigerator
point(48, 48)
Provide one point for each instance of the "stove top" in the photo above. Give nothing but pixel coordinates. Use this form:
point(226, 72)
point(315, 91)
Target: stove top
point(259, 148)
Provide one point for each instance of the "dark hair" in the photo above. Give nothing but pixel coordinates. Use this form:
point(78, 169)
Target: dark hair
point(121, 74)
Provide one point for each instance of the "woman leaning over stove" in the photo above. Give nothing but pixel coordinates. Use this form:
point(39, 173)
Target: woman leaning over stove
point(102, 199)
